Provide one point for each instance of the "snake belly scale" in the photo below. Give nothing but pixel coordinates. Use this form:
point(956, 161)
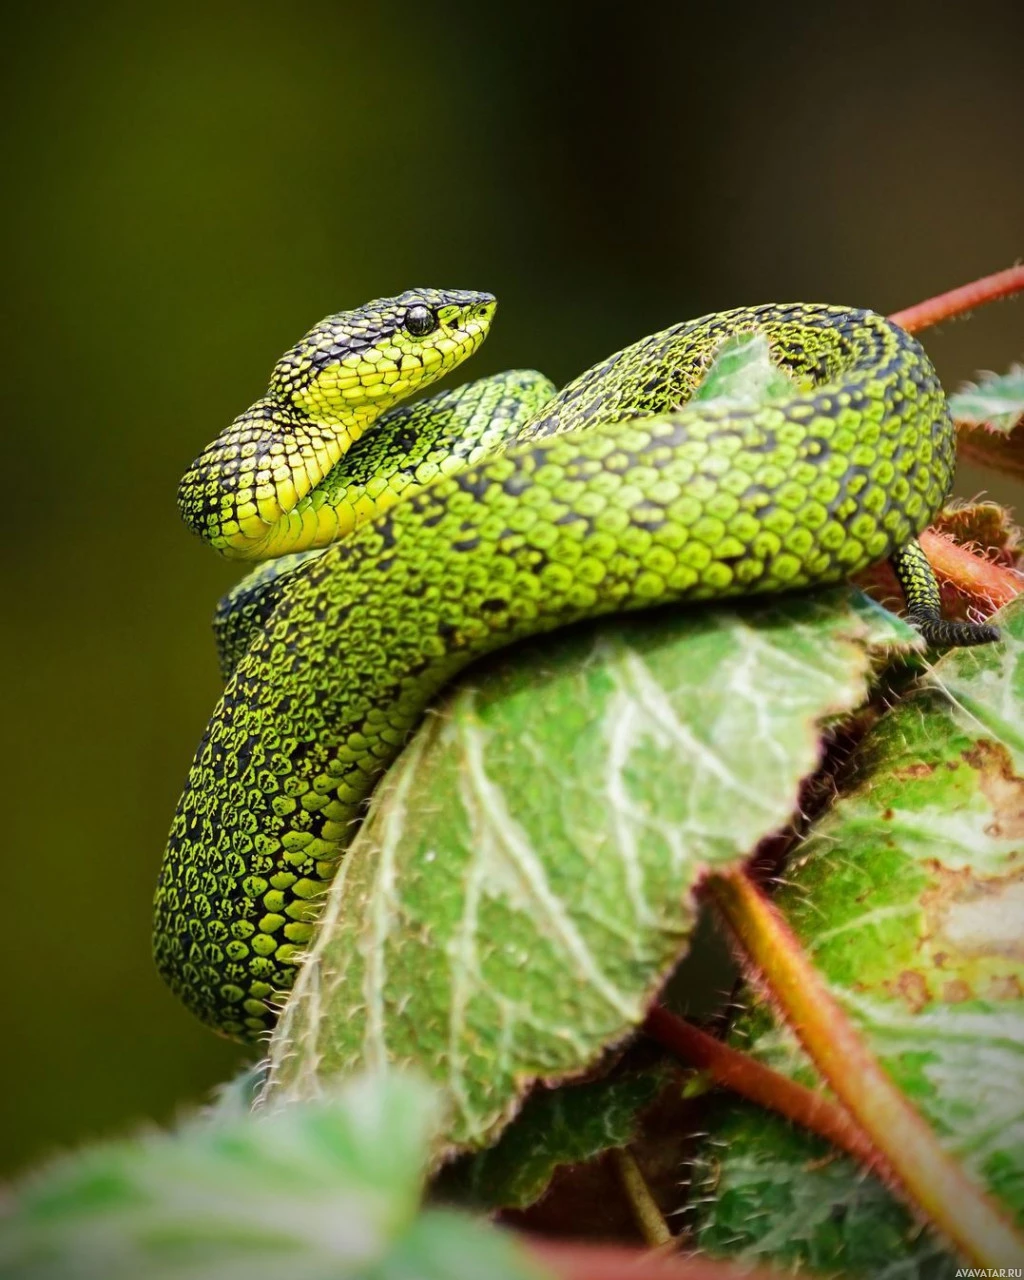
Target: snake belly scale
point(406, 540)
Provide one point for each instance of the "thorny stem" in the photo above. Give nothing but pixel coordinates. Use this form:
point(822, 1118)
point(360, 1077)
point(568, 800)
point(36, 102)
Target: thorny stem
point(648, 1217)
point(990, 584)
point(753, 1080)
point(973, 575)
point(957, 301)
point(931, 1178)
point(881, 1128)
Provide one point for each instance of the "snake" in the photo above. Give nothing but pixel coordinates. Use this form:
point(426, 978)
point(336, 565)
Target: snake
point(392, 541)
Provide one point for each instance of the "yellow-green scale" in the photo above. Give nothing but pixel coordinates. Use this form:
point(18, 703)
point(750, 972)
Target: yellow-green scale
point(614, 496)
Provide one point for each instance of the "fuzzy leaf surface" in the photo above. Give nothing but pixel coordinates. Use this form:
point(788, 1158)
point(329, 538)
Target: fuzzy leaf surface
point(567, 1125)
point(991, 420)
point(523, 883)
point(996, 401)
point(909, 896)
point(317, 1192)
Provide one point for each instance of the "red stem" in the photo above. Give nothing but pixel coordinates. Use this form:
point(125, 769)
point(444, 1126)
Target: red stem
point(971, 574)
point(734, 1070)
point(758, 1083)
point(933, 1179)
point(957, 301)
point(990, 584)
point(785, 967)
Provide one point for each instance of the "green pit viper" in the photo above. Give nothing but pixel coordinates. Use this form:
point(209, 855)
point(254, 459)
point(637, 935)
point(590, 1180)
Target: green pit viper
point(458, 524)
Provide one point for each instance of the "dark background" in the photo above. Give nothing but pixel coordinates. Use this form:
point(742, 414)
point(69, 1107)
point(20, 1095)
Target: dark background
point(190, 188)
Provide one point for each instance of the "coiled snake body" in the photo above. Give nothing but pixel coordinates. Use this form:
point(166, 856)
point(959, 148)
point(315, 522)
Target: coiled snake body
point(460, 524)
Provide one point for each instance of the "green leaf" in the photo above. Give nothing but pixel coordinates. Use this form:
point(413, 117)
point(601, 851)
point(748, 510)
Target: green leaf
point(524, 881)
point(990, 417)
point(442, 1244)
point(909, 896)
point(764, 1190)
point(568, 1125)
point(315, 1192)
point(743, 373)
point(996, 402)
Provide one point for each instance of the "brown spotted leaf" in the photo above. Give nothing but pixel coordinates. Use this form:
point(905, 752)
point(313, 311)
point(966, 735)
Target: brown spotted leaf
point(991, 421)
point(909, 896)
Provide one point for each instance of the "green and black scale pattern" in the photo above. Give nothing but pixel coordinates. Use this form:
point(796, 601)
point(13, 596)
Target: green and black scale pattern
point(409, 446)
point(613, 495)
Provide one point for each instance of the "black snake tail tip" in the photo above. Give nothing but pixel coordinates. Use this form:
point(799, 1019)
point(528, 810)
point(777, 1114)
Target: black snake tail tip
point(942, 634)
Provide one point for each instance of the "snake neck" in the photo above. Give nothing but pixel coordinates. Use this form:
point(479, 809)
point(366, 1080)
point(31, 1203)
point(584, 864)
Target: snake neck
point(242, 491)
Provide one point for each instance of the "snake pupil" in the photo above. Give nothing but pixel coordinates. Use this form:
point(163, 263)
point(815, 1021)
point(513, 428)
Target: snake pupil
point(420, 321)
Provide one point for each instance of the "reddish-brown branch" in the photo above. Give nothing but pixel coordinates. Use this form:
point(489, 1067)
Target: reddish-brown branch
point(569, 1261)
point(991, 585)
point(958, 301)
point(753, 1080)
point(932, 1179)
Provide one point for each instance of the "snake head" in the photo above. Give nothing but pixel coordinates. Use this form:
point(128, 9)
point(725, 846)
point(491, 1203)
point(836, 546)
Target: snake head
point(368, 358)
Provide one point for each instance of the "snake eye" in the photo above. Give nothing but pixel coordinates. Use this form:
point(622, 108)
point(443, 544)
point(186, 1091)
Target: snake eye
point(420, 321)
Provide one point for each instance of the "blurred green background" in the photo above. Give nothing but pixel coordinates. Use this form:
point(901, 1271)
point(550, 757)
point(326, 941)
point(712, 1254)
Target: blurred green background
point(190, 187)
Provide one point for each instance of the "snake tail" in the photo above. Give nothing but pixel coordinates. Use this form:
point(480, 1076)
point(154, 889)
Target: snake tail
point(924, 602)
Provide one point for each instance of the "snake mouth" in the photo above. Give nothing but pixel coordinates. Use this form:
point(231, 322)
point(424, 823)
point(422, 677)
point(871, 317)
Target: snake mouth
point(468, 312)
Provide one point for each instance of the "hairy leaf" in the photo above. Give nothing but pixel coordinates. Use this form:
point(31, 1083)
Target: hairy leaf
point(991, 421)
point(523, 883)
point(985, 526)
point(567, 1125)
point(909, 896)
point(996, 402)
point(326, 1190)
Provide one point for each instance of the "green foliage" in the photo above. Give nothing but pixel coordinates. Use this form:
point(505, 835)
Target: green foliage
point(996, 401)
point(560, 1126)
point(524, 881)
point(522, 886)
point(743, 373)
point(907, 894)
point(991, 417)
point(316, 1192)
